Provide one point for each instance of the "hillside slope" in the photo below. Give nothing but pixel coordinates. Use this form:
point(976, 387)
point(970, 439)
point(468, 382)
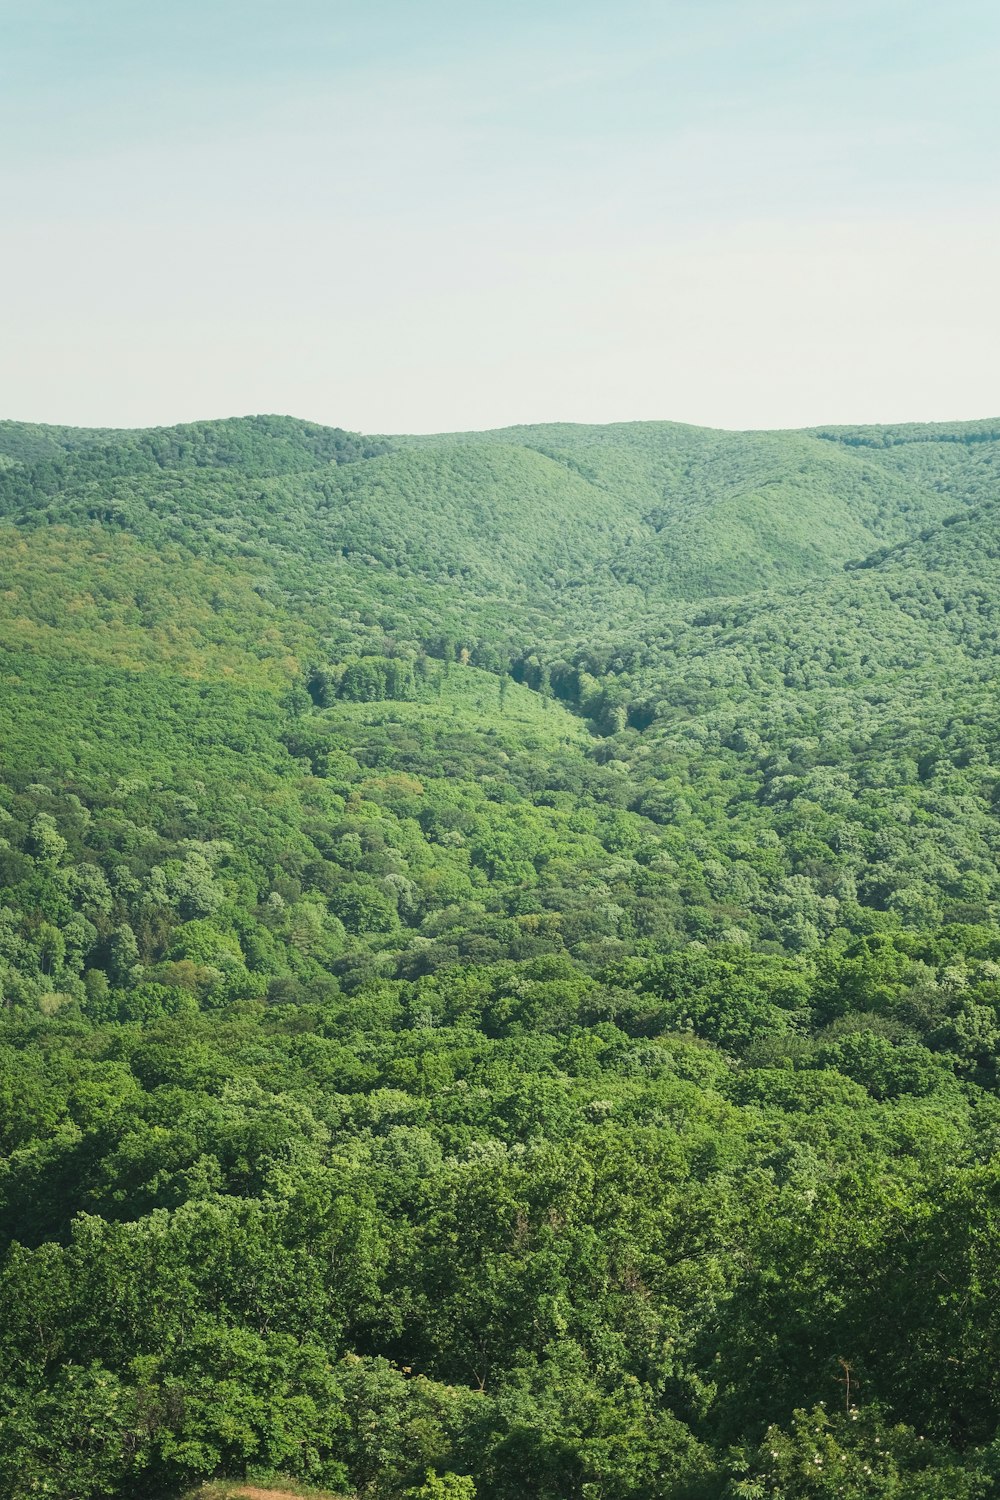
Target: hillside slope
point(724, 512)
point(680, 513)
point(499, 961)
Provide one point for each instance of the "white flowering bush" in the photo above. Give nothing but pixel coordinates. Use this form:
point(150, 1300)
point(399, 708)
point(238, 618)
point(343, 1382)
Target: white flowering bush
point(849, 1455)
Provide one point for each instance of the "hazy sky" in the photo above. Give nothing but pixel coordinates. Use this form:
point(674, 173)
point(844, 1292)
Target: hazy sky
point(414, 215)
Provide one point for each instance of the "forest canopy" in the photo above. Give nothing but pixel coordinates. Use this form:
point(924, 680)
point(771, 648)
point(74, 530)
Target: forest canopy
point(500, 961)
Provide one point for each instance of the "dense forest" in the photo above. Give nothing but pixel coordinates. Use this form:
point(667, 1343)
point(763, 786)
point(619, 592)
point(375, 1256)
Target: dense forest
point(500, 962)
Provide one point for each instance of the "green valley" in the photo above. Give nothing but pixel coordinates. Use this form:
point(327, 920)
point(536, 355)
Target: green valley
point(500, 962)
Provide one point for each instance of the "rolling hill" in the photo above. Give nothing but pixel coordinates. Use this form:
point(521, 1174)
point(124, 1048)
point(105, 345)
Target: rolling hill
point(500, 961)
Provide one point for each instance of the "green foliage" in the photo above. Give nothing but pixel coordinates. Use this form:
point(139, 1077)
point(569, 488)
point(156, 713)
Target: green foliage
point(444, 1487)
point(499, 962)
point(856, 1455)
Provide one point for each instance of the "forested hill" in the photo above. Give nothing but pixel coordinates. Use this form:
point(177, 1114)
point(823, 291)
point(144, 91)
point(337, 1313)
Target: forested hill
point(500, 961)
point(679, 512)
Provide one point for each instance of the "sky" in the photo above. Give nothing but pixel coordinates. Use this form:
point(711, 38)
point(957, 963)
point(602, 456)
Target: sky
point(423, 215)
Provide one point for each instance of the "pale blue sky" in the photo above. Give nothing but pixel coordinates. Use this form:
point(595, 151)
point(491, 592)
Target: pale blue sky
point(431, 215)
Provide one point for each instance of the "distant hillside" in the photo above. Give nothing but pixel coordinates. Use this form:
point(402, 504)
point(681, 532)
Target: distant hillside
point(725, 512)
point(675, 512)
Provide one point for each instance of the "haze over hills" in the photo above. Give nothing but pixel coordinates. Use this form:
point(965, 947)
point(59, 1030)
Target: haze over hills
point(499, 950)
point(677, 512)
